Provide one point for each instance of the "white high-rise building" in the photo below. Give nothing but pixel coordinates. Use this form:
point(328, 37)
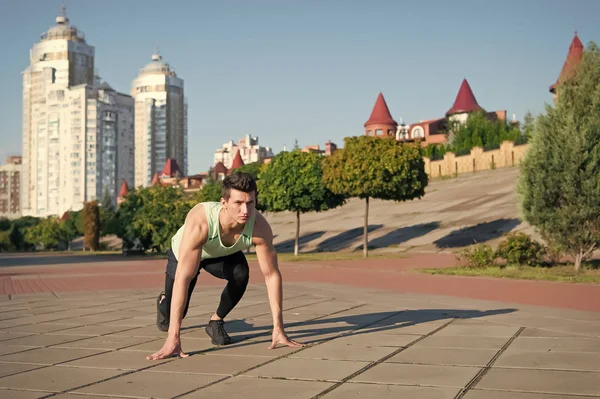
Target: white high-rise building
point(64, 118)
point(160, 120)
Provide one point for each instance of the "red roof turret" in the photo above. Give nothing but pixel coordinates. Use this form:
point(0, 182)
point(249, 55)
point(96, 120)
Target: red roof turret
point(124, 189)
point(465, 100)
point(237, 161)
point(380, 114)
point(171, 168)
point(573, 58)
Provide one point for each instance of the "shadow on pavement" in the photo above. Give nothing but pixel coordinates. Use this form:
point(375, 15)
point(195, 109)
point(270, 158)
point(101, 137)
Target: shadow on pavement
point(303, 331)
point(477, 234)
point(288, 245)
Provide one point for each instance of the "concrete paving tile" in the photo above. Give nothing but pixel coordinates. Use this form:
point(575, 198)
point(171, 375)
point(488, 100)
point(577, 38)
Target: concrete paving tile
point(252, 348)
point(352, 390)
point(404, 329)
point(549, 360)
point(18, 394)
point(147, 331)
point(545, 381)
point(190, 345)
point(8, 349)
point(246, 387)
point(312, 338)
point(67, 317)
point(541, 333)
point(15, 368)
point(444, 356)
point(104, 342)
point(557, 344)
point(96, 319)
point(40, 340)
point(38, 328)
point(145, 384)
point(119, 360)
point(90, 331)
point(7, 335)
point(211, 364)
point(333, 350)
point(417, 374)
point(308, 369)
point(462, 342)
point(377, 339)
point(129, 322)
point(478, 331)
point(56, 379)
point(16, 314)
point(48, 355)
point(485, 394)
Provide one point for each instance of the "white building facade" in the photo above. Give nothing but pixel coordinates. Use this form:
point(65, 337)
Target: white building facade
point(10, 188)
point(63, 125)
point(249, 149)
point(160, 120)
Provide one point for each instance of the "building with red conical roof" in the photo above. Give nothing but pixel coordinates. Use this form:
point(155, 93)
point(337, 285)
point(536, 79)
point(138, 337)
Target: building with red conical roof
point(171, 169)
point(155, 180)
point(430, 131)
point(465, 101)
point(237, 162)
point(122, 193)
point(571, 62)
point(380, 122)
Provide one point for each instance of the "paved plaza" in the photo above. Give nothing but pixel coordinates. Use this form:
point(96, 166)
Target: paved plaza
point(362, 343)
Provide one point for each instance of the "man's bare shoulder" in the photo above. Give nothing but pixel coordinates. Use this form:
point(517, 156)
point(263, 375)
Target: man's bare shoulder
point(262, 229)
point(196, 220)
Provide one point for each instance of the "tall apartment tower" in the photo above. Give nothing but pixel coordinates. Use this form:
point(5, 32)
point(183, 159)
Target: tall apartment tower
point(10, 188)
point(160, 120)
point(67, 119)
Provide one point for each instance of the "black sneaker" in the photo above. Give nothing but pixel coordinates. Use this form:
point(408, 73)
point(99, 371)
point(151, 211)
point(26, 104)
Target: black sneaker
point(161, 320)
point(217, 332)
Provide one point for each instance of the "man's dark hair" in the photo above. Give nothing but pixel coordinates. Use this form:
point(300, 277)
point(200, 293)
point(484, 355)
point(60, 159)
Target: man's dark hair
point(240, 181)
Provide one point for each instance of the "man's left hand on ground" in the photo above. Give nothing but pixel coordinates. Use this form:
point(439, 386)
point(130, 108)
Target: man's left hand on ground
point(280, 338)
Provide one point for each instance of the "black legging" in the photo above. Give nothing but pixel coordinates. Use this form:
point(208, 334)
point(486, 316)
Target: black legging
point(233, 268)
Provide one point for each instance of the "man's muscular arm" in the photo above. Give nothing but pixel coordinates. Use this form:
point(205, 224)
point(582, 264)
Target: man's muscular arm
point(194, 237)
point(267, 260)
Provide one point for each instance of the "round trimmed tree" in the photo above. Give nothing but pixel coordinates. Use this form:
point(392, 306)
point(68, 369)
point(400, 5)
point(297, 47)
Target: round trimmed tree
point(376, 167)
point(293, 181)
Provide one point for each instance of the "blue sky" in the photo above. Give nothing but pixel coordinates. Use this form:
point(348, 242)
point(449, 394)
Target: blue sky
point(309, 70)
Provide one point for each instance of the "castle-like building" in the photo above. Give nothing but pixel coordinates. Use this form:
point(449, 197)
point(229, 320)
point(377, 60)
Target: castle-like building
point(431, 131)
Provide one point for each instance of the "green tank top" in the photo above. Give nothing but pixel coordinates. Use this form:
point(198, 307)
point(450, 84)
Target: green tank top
point(214, 248)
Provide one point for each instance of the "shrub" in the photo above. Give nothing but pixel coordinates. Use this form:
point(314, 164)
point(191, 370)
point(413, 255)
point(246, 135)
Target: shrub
point(519, 249)
point(478, 256)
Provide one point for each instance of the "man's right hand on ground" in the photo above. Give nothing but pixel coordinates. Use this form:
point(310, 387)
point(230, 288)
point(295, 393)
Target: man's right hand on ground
point(171, 348)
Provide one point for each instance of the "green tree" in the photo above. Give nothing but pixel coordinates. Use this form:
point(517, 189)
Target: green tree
point(373, 167)
point(108, 215)
point(18, 236)
point(149, 217)
point(528, 125)
point(479, 131)
point(558, 185)
point(293, 181)
point(211, 191)
point(70, 229)
point(48, 232)
point(91, 222)
point(126, 214)
point(162, 214)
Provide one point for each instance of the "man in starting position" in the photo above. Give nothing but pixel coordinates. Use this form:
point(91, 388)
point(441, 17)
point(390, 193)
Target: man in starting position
point(213, 238)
